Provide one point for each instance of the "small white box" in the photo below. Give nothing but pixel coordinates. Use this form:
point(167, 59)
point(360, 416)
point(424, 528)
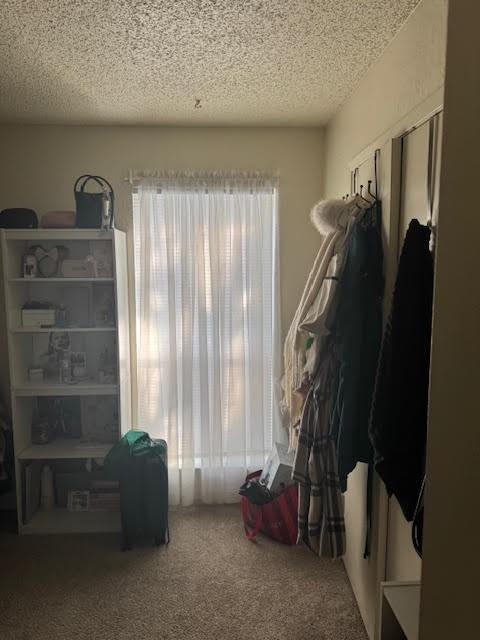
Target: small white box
point(35, 374)
point(76, 269)
point(38, 317)
point(277, 472)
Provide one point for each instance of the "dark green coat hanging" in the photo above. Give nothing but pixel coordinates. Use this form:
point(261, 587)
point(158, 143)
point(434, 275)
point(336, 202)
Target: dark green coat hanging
point(358, 332)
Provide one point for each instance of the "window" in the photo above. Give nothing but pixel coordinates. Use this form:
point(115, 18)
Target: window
point(206, 321)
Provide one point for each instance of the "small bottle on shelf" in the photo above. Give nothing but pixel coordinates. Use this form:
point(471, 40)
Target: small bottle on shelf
point(47, 499)
point(65, 370)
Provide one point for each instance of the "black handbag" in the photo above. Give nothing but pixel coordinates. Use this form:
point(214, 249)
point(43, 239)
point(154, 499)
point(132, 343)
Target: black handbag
point(18, 219)
point(255, 492)
point(93, 210)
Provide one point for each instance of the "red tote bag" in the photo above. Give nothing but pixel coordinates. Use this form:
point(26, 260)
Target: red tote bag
point(276, 519)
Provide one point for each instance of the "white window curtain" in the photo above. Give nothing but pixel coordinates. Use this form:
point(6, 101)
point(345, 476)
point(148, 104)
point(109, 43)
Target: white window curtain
point(207, 327)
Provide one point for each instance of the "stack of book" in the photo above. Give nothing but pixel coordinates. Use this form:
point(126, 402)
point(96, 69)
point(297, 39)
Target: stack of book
point(104, 495)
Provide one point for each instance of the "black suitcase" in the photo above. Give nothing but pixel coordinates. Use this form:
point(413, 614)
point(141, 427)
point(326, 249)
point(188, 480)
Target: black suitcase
point(144, 500)
point(156, 500)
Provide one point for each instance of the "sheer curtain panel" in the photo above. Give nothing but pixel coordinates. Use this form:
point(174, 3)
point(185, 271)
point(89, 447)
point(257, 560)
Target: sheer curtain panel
point(207, 326)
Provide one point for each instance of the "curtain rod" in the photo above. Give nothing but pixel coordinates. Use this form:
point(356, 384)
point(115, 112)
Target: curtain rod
point(135, 175)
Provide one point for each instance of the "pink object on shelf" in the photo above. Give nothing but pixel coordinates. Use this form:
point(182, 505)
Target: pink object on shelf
point(58, 220)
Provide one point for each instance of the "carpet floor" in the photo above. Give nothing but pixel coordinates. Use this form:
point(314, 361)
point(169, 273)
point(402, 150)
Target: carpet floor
point(208, 584)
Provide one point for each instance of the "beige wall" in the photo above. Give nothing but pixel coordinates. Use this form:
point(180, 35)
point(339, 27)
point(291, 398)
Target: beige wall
point(410, 70)
point(451, 563)
point(38, 166)
point(402, 86)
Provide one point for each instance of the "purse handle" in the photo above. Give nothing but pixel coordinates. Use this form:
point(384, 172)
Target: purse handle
point(86, 178)
point(251, 533)
point(101, 182)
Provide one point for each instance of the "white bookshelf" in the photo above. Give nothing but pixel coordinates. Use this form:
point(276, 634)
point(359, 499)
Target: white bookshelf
point(85, 334)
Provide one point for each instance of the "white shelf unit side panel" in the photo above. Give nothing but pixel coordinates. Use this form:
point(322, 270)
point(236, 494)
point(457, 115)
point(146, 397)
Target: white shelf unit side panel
point(123, 327)
point(5, 371)
point(8, 301)
point(19, 439)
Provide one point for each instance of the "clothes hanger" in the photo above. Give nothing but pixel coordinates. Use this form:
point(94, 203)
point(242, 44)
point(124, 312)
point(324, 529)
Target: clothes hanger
point(373, 197)
point(362, 196)
point(369, 191)
point(369, 197)
point(361, 201)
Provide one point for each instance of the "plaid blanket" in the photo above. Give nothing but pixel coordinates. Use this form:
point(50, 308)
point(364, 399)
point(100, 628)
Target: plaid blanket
point(321, 521)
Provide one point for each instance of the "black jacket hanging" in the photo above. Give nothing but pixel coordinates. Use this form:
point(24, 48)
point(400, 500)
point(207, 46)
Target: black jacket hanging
point(398, 421)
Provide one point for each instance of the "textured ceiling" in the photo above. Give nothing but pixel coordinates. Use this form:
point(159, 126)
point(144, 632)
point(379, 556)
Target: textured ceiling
point(270, 62)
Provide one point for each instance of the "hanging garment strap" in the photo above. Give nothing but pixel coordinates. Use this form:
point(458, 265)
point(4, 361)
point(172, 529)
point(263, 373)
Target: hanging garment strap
point(368, 532)
point(430, 180)
point(417, 524)
point(251, 532)
point(369, 497)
